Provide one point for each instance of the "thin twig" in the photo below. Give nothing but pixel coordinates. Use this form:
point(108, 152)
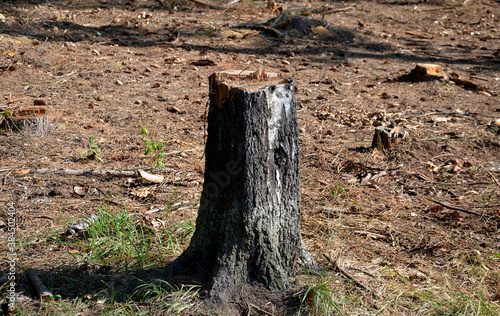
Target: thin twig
point(334, 265)
point(480, 78)
point(232, 2)
point(351, 213)
point(204, 4)
point(7, 169)
point(333, 161)
point(6, 176)
point(492, 176)
point(451, 207)
point(443, 8)
point(336, 10)
point(261, 310)
point(362, 271)
point(174, 207)
point(164, 154)
point(78, 172)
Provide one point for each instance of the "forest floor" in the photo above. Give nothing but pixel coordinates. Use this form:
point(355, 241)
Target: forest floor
point(107, 69)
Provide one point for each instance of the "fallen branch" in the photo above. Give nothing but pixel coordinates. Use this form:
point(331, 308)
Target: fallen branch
point(205, 4)
point(36, 284)
point(451, 207)
point(468, 84)
point(78, 172)
point(330, 209)
point(336, 10)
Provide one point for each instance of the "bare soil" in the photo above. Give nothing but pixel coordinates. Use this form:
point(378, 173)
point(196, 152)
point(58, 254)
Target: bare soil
point(109, 68)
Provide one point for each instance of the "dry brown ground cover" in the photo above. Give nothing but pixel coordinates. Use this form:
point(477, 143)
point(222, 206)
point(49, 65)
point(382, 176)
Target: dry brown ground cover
point(108, 68)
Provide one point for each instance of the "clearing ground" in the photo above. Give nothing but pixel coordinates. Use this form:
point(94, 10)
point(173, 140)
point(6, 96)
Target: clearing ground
point(108, 69)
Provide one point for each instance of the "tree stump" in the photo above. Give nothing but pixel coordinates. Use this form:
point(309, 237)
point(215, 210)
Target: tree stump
point(32, 120)
point(248, 224)
point(387, 137)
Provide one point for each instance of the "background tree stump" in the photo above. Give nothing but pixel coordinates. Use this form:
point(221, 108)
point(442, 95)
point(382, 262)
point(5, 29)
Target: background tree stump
point(248, 224)
point(32, 120)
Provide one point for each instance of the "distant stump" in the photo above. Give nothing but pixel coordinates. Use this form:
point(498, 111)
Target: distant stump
point(32, 120)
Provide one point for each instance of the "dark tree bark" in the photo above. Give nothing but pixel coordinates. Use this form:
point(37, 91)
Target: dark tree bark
point(248, 225)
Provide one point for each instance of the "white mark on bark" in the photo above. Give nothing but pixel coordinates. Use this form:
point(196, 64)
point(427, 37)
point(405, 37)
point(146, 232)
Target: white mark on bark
point(278, 186)
point(280, 103)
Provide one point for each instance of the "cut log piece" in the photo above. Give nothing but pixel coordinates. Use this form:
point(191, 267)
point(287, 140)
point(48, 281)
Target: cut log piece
point(248, 225)
point(32, 120)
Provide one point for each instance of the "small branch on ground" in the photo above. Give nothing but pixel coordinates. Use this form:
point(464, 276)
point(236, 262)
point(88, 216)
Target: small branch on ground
point(493, 177)
point(451, 207)
point(205, 4)
point(331, 209)
point(262, 311)
point(336, 10)
point(78, 172)
point(335, 266)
